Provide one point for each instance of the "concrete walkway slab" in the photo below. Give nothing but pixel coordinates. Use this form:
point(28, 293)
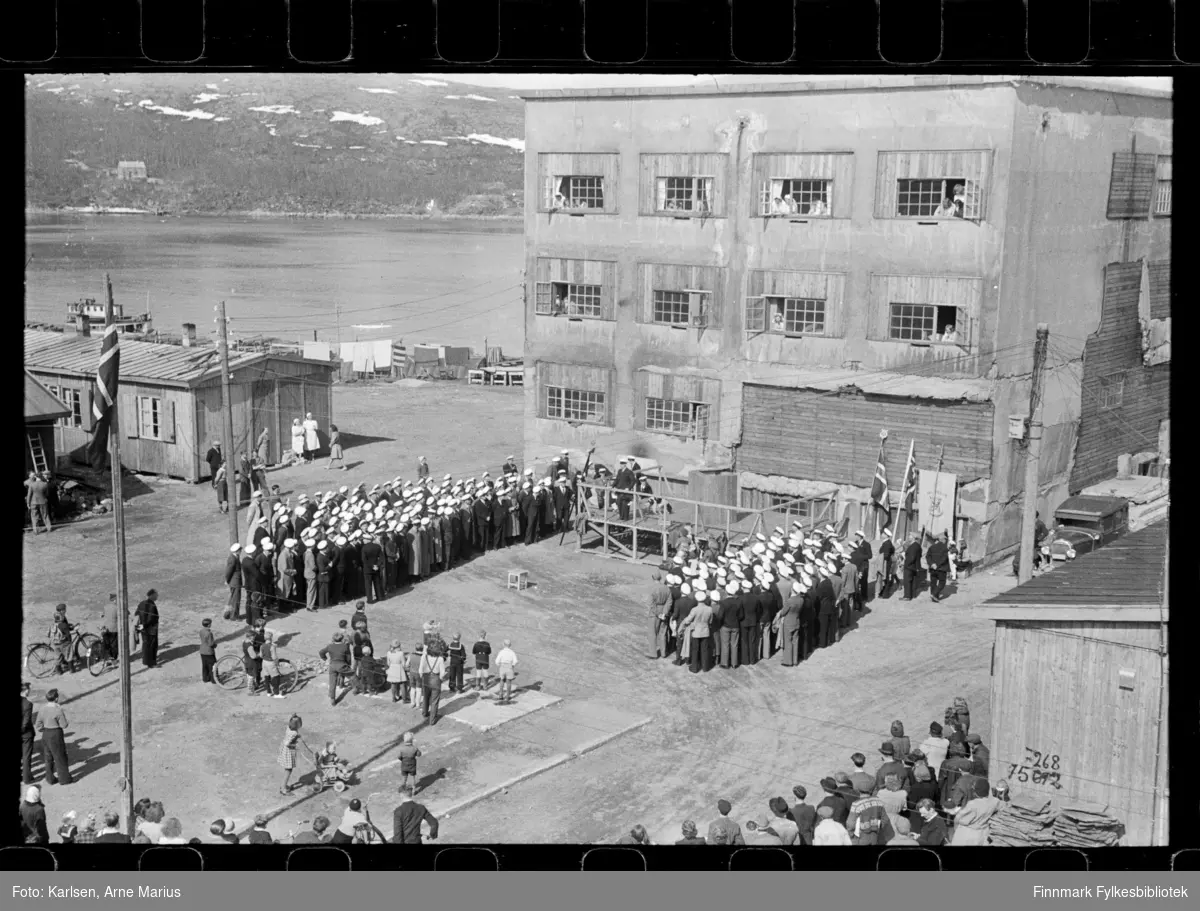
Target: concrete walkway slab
point(487, 712)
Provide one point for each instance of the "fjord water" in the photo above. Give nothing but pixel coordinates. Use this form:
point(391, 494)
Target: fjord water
point(448, 282)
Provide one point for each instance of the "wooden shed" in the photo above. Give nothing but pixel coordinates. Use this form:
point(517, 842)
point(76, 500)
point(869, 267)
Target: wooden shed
point(43, 410)
point(170, 399)
point(1079, 683)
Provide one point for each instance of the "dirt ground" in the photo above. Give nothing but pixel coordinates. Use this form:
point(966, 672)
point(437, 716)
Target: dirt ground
point(580, 631)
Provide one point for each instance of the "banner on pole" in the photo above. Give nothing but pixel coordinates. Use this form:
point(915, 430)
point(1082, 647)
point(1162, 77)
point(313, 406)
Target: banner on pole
point(935, 501)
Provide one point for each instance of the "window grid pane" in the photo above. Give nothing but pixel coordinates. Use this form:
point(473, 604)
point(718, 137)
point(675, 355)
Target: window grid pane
point(919, 198)
point(794, 511)
point(680, 193)
point(912, 322)
point(585, 192)
point(671, 307)
point(805, 192)
point(583, 300)
point(804, 315)
point(575, 405)
point(668, 415)
point(1112, 391)
point(1162, 198)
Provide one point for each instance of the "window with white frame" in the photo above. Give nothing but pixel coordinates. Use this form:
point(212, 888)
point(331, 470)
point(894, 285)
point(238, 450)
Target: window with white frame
point(687, 195)
point(149, 418)
point(569, 299)
point(574, 191)
point(73, 400)
point(680, 308)
point(793, 510)
point(575, 405)
point(795, 196)
point(796, 315)
point(932, 323)
point(1162, 187)
point(1112, 390)
point(939, 197)
point(689, 419)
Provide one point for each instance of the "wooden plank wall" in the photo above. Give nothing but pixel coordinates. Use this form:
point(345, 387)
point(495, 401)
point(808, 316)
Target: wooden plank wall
point(174, 455)
point(835, 166)
point(1160, 289)
point(945, 291)
point(586, 164)
point(1116, 346)
point(714, 165)
point(1057, 691)
point(817, 436)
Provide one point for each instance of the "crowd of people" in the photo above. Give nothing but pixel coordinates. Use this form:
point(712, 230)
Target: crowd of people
point(348, 543)
point(935, 794)
point(152, 826)
point(791, 593)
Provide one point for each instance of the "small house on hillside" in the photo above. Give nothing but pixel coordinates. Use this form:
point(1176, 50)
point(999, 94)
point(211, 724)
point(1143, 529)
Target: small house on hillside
point(169, 406)
point(42, 411)
point(131, 170)
point(1079, 683)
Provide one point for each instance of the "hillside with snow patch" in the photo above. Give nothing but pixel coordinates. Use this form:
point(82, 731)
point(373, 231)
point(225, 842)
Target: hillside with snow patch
point(314, 144)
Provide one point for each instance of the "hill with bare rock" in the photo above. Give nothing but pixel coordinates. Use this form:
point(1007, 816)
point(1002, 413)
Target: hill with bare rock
point(297, 144)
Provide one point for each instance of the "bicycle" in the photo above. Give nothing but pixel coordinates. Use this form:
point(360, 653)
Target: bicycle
point(86, 649)
point(230, 673)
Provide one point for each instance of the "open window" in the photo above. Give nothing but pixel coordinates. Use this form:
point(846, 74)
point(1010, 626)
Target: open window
point(782, 197)
point(684, 196)
point(575, 405)
point(575, 193)
point(681, 308)
point(570, 300)
point(686, 419)
point(795, 315)
point(576, 289)
point(1162, 187)
point(939, 197)
point(932, 185)
point(928, 324)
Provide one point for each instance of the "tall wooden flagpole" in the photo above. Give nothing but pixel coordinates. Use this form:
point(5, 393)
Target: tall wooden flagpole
point(123, 632)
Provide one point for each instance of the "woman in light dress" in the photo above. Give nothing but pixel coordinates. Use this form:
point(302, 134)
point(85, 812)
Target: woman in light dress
point(297, 439)
point(312, 442)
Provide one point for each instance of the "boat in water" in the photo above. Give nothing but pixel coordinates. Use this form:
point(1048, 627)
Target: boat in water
point(93, 311)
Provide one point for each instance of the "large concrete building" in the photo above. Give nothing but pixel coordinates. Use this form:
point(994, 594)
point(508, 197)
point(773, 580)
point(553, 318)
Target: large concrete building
point(747, 285)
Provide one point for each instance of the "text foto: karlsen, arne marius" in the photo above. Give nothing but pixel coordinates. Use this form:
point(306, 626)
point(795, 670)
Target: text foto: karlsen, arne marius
point(96, 894)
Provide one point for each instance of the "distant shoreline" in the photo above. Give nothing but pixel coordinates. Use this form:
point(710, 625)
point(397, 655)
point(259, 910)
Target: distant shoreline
point(262, 213)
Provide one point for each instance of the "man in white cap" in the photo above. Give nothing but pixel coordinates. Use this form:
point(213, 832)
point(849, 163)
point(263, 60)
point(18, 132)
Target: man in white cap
point(310, 570)
point(324, 570)
point(233, 578)
point(887, 552)
point(623, 482)
point(252, 583)
point(826, 607)
point(285, 570)
point(510, 466)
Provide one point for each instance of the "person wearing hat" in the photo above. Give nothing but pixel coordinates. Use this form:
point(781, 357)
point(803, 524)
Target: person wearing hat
point(266, 573)
point(624, 481)
point(912, 567)
point(861, 557)
point(208, 651)
point(325, 569)
point(828, 832)
point(659, 602)
point(451, 534)
point(752, 613)
point(723, 830)
point(422, 468)
point(338, 654)
point(437, 543)
point(759, 832)
point(938, 560)
point(891, 764)
point(868, 822)
point(980, 755)
point(887, 554)
point(456, 659)
point(285, 572)
point(373, 569)
point(826, 607)
point(834, 800)
point(252, 582)
point(729, 633)
point(526, 510)
point(310, 571)
point(789, 626)
point(28, 733)
point(147, 624)
point(698, 625)
point(233, 578)
point(510, 466)
point(972, 821)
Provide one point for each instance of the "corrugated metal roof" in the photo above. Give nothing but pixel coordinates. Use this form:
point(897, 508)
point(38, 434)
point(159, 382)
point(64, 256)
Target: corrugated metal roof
point(831, 379)
point(1126, 574)
point(40, 403)
point(169, 365)
point(849, 83)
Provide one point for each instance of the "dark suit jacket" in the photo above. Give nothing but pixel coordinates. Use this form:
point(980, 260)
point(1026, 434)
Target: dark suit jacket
point(805, 817)
point(26, 718)
point(233, 570)
point(499, 512)
point(752, 608)
point(825, 599)
point(372, 557)
point(732, 610)
point(938, 556)
point(624, 480)
point(912, 557)
point(147, 614)
point(250, 574)
point(406, 823)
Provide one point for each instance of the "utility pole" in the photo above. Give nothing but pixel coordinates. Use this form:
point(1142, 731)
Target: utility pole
point(337, 309)
point(1033, 452)
point(234, 490)
point(123, 632)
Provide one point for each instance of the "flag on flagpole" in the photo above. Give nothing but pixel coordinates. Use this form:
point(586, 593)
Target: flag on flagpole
point(908, 487)
point(879, 487)
point(105, 390)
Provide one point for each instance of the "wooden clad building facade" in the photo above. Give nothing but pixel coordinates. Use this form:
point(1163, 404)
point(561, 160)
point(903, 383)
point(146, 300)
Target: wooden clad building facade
point(170, 399)
point(1079, 697)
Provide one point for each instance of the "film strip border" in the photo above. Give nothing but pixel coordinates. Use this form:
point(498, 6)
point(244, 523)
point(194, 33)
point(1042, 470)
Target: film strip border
point(560, 34)
point(428, 857)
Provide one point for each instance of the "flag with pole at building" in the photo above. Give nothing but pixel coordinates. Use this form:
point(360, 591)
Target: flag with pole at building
point(105, 390)
point(879, 487)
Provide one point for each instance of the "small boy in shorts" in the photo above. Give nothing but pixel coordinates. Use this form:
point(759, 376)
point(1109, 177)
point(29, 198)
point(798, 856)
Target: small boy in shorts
point(482, 652)
point(408, 765)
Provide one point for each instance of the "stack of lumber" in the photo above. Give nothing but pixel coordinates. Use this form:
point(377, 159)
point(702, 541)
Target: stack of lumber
point(1027, 820)
point(1082, 825)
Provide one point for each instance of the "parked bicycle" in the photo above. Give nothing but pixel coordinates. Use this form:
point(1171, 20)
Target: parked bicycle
point(86, 650)
point(230, 673)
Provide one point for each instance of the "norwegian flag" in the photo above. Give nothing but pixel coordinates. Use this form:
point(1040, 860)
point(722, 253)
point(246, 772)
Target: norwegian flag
point(105, 389)
point(879, 487)
point(909, 486)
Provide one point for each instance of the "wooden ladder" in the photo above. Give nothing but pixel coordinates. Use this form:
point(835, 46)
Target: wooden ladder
point(35, 450)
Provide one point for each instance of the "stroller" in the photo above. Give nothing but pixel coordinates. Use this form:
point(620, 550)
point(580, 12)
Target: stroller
point(332, 771)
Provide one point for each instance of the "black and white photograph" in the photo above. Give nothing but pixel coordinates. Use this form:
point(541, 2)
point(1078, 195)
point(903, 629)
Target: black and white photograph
point(495, 458)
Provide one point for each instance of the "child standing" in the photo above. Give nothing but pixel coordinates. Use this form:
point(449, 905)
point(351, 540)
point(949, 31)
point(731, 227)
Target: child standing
point(457, 653)
point(414, 678)
point(482, 652)
point(364, 681)
point(61, 632)
point(408, 765)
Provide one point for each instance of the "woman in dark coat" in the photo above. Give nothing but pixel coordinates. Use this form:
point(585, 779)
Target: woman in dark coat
point(33, 818)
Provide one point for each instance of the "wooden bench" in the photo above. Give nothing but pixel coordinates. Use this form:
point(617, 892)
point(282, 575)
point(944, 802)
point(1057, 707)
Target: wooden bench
point(475, 377)
point(518, 579)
